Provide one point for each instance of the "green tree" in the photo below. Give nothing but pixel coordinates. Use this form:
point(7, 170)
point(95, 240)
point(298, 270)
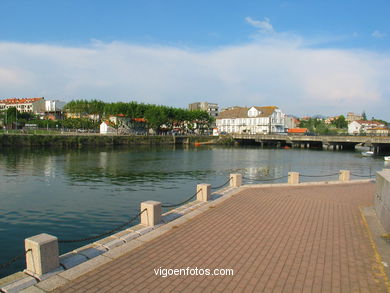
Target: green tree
point(156, 117)
point(11, 115)
point(340, 122)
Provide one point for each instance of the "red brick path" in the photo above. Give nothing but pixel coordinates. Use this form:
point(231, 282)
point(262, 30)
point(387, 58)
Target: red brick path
point(282, 239)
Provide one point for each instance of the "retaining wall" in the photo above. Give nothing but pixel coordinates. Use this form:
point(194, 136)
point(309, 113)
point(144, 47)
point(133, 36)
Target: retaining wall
point(382, 198)
point(65, 140)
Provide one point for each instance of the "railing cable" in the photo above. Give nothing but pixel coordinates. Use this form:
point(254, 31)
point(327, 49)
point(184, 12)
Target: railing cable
point(218, 187)
point(268, 179)
point(180, 203)
point(104, 233)
point(357, 175)
point(13, 260)
point(325, 175)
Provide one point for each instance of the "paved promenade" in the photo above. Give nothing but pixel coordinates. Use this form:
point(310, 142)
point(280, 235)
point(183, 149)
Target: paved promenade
point(280, 239)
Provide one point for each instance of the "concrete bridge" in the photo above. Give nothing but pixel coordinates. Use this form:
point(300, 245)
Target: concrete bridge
point(379, 144)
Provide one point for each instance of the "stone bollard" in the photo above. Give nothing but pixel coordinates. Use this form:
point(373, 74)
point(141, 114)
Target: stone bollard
point(42, 256)
point(344, 175)
point(235, 180)
point(293, 177)
point(205, 193)
point(152, 215)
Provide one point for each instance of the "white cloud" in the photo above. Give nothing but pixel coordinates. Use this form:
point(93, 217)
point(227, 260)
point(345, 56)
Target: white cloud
point(263, 25)
point(298, 79)
point(378, 35)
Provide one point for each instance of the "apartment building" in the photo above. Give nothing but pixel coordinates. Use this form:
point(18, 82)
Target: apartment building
point(253, 120)
point(211, 108)
point(31, 105)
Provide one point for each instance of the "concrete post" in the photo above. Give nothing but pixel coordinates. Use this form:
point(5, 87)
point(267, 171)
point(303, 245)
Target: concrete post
point(235, 180)
point(293, 177)
point(204, 192)
point(152, 215)
point(42, 256)
point(344, 175)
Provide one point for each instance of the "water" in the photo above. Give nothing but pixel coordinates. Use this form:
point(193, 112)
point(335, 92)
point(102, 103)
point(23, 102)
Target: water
point(77, 193)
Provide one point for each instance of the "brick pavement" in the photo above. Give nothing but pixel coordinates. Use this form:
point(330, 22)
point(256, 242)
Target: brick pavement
point(281, 239)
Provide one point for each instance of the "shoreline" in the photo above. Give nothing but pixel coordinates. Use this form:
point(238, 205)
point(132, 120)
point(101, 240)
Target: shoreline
point(80, 140)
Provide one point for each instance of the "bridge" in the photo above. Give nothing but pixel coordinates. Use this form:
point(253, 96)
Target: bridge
point(379, 144)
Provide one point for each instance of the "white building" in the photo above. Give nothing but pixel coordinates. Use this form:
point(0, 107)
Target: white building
point(107, 128)
point(54, 106)
point(363, 126)
point(31, 105)
point(254, 120)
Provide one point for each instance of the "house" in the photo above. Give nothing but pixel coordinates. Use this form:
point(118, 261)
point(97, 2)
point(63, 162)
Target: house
point(133, 126)
point(331, 119)
point(353, 117)
point(290, 122)
point(30, 105)
point(107, 127)
point(127, 125)
point(71, 115)
point(362, 126)
point(253, 120)
point(378, 131)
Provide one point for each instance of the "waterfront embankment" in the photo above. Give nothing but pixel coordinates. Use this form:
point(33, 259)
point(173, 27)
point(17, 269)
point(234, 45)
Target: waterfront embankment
point(79, 140)
point(275, 237)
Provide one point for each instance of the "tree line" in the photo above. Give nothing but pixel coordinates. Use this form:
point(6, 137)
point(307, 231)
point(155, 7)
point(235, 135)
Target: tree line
point(319, 126)
point(155, 115)
point(12, 118)
point(90, 113)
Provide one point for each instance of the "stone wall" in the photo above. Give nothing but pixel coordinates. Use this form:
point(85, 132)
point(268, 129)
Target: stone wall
point(382, 198)
point(12, 140)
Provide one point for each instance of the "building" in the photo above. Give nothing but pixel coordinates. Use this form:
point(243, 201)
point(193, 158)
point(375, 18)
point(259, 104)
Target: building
point(53, 109)
point(210, 108)
point(353, 117)
point(127, 125)
point(107, 127)
point(54, 106)
point(378, 131)
point(331, 119)
point(31, 105)
point(363, 126)
point(290, 122)
point(253, 120)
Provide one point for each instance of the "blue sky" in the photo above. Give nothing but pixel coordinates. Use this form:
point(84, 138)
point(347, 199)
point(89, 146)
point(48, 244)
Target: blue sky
point(307, 57)
point(192, 23)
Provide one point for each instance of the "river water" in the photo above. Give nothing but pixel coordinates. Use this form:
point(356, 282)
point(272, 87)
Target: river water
point(77, 193)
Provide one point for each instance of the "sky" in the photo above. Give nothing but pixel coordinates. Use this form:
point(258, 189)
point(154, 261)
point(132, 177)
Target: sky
point(306, 57)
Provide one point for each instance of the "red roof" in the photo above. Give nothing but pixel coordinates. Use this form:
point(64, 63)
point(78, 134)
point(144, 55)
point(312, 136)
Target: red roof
point(297, 130)
point(139, 120)
point(20, 101)
point(368, 122)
